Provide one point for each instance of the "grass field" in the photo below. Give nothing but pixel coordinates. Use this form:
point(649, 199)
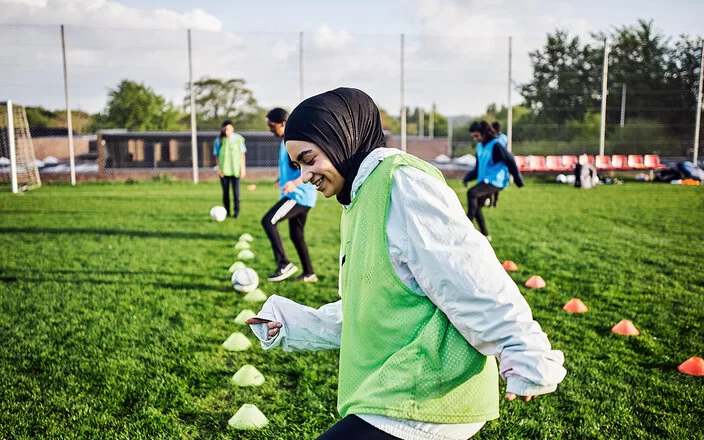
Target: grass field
point(115, 299)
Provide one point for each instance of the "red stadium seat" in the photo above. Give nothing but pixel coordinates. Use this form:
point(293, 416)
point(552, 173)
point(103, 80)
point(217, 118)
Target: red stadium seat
point(603, 163)
point(636, 161)
point(652, 161)
point(569, 161)
point(619, 162)
point(585, 159)
point(554, 163)
point(521, 162)
point(537, 163)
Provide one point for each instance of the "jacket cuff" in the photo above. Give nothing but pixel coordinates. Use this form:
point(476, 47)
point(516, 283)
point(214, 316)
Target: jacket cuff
point(521, 387)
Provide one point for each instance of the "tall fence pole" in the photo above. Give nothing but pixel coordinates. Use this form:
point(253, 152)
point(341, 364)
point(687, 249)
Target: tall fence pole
point(431, 122)
point(623, 105)
point(698, 121)
point(449, 137)
point(71, 158)
point(300, 64)
point(421, 123)
point(604, 84)
point(403, 93)
point(194, 128)
point(509, 121)
point(13, 153)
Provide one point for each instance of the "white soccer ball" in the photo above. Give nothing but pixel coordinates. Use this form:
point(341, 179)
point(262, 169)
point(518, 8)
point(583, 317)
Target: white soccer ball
point(245, 280)
point(561, 178)
point(218, 213)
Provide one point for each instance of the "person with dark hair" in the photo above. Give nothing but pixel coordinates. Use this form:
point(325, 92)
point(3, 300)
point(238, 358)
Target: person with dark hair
point(426, 306)
point(494, 163)
point(229, 151)
point(496, 125)
point(297, 198)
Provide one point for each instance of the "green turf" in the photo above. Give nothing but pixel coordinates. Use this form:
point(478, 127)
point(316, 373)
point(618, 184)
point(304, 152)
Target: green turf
point(114, 300)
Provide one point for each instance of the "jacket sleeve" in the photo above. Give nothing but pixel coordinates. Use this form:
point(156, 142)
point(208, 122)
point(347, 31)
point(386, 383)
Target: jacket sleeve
point(456, 268)
point(471, 175)
point(304, 328)
point(501, 154)
point(216, 147)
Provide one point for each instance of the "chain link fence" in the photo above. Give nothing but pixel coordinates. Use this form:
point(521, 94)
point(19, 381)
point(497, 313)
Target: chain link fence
point(138, 81)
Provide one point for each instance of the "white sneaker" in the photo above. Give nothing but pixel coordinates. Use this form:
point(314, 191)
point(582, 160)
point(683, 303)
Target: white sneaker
point(282, 273)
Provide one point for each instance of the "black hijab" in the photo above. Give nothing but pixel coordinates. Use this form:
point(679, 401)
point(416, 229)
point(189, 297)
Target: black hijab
point(345, 124)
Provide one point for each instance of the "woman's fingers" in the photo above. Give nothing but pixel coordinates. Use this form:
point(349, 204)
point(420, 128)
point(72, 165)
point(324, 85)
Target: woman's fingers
point(273, 326)
point(512, 396)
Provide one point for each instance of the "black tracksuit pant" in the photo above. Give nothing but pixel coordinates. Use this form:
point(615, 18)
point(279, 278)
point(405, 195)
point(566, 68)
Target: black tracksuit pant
point(225, 182)
point(475, 200)
point(296, 215)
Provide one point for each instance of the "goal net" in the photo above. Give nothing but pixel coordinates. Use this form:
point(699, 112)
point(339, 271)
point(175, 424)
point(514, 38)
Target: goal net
point(18, 165)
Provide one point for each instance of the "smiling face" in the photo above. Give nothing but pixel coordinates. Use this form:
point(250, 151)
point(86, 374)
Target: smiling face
point(228, 130)
point(477, 137)
point(316, 167)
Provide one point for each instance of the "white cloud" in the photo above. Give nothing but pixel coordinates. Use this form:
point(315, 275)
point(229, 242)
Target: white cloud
point(326, 39)
point(103, 13)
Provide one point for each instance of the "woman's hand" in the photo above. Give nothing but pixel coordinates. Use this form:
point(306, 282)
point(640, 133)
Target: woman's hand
point(511, 396)
point(288, 187)
point(273, 326)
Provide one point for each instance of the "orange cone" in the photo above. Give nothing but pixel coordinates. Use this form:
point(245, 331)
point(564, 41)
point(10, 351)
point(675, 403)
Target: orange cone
point(625, 328)
point(510, 266)
point(535, 282)
point(575, 305)
point(693, 366)
point(251, 187)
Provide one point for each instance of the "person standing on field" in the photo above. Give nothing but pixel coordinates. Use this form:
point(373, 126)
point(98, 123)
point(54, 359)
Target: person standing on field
point(502, 137)
point(297, 198)
point(229, 151)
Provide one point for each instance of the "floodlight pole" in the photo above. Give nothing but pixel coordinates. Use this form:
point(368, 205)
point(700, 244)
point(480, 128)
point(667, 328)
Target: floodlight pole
point(300, 64)
point(11, 139)
point(403, 94)
point(194, 129)
point(604, 85)
point(71, 159)
point(509, 118)
point(698, 121)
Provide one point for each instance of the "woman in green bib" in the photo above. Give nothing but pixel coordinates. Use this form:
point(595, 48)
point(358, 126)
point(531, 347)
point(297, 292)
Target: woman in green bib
point(426, 308)
point(229, 150)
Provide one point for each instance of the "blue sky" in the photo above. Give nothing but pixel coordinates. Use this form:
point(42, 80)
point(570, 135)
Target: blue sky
point(456, 51)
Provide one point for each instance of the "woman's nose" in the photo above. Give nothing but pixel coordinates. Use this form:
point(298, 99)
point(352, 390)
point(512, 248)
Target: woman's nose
point(305, 174)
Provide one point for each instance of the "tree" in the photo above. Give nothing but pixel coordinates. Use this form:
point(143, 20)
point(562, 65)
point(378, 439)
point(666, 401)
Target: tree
point(565, 83)
point(220, 99)
point(135, 106)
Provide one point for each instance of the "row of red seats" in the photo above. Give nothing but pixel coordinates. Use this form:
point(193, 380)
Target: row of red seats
point(567, 163)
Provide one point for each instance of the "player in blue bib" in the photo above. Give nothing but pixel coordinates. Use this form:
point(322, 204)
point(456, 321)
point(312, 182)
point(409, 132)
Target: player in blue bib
point(297, 198)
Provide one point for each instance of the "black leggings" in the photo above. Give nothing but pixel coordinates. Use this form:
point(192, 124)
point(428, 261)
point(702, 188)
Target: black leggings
point(354, 428)
point(226, 181)
point(475, 199)
point(296, 214)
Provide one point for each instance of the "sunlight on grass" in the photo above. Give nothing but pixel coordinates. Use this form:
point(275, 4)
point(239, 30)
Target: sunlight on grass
point(115, 300)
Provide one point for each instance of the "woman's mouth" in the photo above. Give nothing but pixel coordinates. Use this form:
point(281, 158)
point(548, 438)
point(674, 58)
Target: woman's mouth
point(319, 183)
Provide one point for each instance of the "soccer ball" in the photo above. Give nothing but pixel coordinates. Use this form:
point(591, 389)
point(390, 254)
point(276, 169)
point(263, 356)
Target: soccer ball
point(218, 213)
point(245, 280)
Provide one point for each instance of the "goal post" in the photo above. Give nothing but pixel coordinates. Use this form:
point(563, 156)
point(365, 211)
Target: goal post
point(18, 164)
